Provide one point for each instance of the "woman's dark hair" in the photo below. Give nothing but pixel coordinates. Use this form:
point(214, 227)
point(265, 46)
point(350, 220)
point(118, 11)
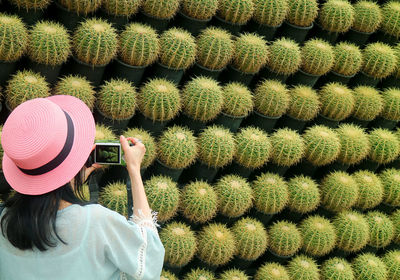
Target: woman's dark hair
point(30, 220)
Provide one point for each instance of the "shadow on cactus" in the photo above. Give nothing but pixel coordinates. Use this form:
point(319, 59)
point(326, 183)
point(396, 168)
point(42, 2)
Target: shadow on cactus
point(199, 273)
point(395, 218)
point(76, 86)
point(31, 4)
point(149, 143)
point(392, 262)
point(370, 189)
point(200, 9)
point(233, 274)
point(317, 57)
point(271, 98)
point(114, 197)
point(166, 275)
point(354, 144)
point(385, 146)
point(391, 18)
point(14, 38)
point(304, 194)
point(379, 60)
point(391, 104)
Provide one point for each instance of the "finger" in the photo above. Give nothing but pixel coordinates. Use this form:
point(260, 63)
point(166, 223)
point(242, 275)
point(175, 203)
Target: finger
point(94, 147)
point(133, 140)
point(124, 142)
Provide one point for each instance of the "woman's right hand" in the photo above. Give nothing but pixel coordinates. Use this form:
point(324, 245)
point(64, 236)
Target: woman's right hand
point(133, 154)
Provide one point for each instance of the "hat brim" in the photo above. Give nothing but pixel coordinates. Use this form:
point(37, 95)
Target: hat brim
point(85, 131)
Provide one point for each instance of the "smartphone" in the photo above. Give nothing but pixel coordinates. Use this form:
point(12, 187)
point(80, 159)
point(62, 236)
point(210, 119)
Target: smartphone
point(108, 153)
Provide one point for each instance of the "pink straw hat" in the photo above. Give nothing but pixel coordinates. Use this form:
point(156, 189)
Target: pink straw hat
point(46, 141)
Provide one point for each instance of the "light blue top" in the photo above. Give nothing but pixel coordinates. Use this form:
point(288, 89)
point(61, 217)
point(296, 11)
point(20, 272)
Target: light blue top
point(101, 245)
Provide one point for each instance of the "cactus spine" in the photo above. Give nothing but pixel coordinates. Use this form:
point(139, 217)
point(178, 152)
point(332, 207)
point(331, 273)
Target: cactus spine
point(270, 13)
point(395, 218)
point(199, 273)
point(391, 186)
point(236, 11)
point(238, 100)
point(336, 269)
point(381, 229)
point(272, 271)
point(81, 7)
point(354, 144)
point(348, 59)
point(392, 262)
point(104, 133)
point(369, 267)
point(148, 141)
point(285, 238)
point(122, 7)
point(202, 10)
point(166, 275)
point(14, 37)
point(165, 9)
point(287, 147)
point(285, 56)
point(391, 104)
point(115, 197)
point(303, 268)
point(391, 18)
point(271, 98)
point(336, 16)
point(370, 189)
point(76, 86)
point(337, 101)
point(379, 60)
point(385, 146)
point(31, 4)
point(304, 194)
point(317, 57)
point(304, 103)
point(367, 16)
point(302, 12)
point(368, 103)
point(233, 274)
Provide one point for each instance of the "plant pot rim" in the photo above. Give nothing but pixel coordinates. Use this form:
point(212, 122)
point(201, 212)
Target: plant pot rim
point(154, 121)
point(208, 69)
point(300, 120)
point(308, 74)
point(161, 163)
point(151, 16)
point(233, 117)
point(358, 119)
point(278, 256)
point(110, 118)
point(239, 71)
point(228, 22)
point(299, 27)
point(270, 26)
point(329, 119)
point(115, 16)
point(366, 33)
point(194, 19)
point(369, 76)
point(130, 66)
point(86, 64)
point(343, 76)
point(265, 116)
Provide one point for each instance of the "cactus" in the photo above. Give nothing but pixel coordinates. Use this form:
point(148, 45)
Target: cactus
point(391, 104)
point(302, 12)
point(148, 141)
point(199, 202)
point(235, 195)
point(177, 147)
point(251, 237)
point(369, 267)
point(202, 99)
point(235, 11)
point(287, 147)
point(214, 48)
point(354, 144)
point(114, 197)
point(216, 146)
point(284, 238)
point(270, 13)
point(339, 191)
point(163, 196)
point(391, 18)
point(370, 189)
point(216, 244)
point(367, 16)
point(303, 268)
point(368, 103)
point(95, 42)
point(390, 179)
point(317, 57)
point(379, 60)
point(304, 103)
point(336, 16)
point(117, 99)
point(251, 53)
point(14, 38)
point(348, 59)
point(179, 242)
point(253, 147)
point(238, 100)
point(104, 133)
point(385, 146)
point(233, 274)
point(84, 194)
point(81, 7)
point(381, 229)
point(392, 262)
point(159, 100)
point(199, 274)
point(76, 86)
point(31, 4)
point(395, 218)
point(337, 101)
point(165, 9)
point(138, 45)
point(271, 98)
point(304, 194)
point(177, 49)
point(271, 271)
point(200, 9)
point(352, 231)
point(166, 275)
point(122, 7)
point(25, 85)
point(271, 193)
point(336, 269)
point(285, 56)
point(322, 145)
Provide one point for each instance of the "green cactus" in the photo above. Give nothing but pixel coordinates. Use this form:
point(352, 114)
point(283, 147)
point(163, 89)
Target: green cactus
point(339, 191)
point(391, 104)
point(370, 189)
point(81, 7)
point(177, 147)
point(200, 9)
point(14, 38)
point(199, 202)
point(271, 98)
point(179, 242)
point(271, 193)
point(271, 271)
point(149, 143)
point(115, 197)
point(395, 217)
point(304, 103)
point(214, 48)
point(381, 229)
point(253, 147)
point(337, 101)
point(216, 146)
point(369, 267)
point(270, 13)
point(95, 42)
point(391, 18)
point(303, 268)
point(216, 244)
point(235, 196)
point(31, 4)
point(385, 146)
point(390, 179)
point(302, 12)
point(84, 194)
point(233, 274)
point(138, 45)
point(392, 262)
point(166, 275)
point(122, 7)
point(76, 86)
point(25, 85)
point(354, 144)
point(104, 133)
point(238, 100)
point(304, 194)
point(117, 99)
point(322, 145)
point(287, 147)
point(251, 237)
point(317, 57)
point(368, 103)
point(251, 53)
point(163, 196)
point(379, 60)
point(367, 16)
point(177, 48)
point(159, 100)
point(199, 274)
point(336, 16)
point(285, 56)
point(336, 269)
point(284, 238)
point(235, 11)
point(348, 59)
point(165, 9)
point(352, 231)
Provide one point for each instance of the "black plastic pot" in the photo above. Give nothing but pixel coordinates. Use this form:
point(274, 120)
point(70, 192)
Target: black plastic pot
point(183, 120)
point(292, 123)
point(70, 19)
point(229, 221)
point(261, 121)
point(289, 215)
point(262, 217)
point(161, 71)
point(380, 122)
point(231, 74)
point(235, 168)
point(238, 263)
point(231, 27)
point(266, 73)
point(158, 24)
point(118, 126)
point(303, 78)
point(294, 32)
point(228, 121)
point(385, 208)
point(362, 79)
point(354, 120)
point(366, 164)
point(198, 70)
point(274, 168)
point(198, 171)
point(303, 168)
point(379, 36)
point(30, 17)
point(158, 168)
point(194, 26)
point(4, 186)
point(355, 37)
point(7, 69)
point(326, 35)
point(119, 69)
point(268, 32)
point(338, 253)
point(322, 120)
point(118, 22)
point(155, 127)
point(333, 77)
point(94, 73)
point(50, 73)
point(390, 81)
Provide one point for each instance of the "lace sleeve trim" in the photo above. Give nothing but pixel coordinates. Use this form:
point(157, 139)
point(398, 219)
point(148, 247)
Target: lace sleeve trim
point(143, 221)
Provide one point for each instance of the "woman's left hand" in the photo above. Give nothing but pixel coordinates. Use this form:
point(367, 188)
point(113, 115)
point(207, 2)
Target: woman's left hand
point(88, 170)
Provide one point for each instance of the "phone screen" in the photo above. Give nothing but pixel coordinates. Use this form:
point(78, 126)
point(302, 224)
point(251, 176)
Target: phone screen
point(108, 153)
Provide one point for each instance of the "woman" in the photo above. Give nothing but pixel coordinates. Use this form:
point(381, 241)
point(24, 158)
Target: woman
point(46, 231)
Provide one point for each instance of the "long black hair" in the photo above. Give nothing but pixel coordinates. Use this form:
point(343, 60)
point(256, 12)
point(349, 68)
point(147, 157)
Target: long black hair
point(30, 220)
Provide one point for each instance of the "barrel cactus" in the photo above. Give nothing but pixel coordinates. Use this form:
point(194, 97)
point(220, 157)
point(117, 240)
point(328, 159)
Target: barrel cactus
point(391, 18)
point(199, 274)
point(233, 274)
point(370, 189)
point(354, 144)
point(284, 238)
point(379, 60)
point(270, 13)
point(285, 56)
point(31, 4)
point(348, 59)
point(304, 103)
point(165, 9)
point(179, 242)
point(303, 12)
point(304, 194)
point(14, 38)
point(367, 16)
point(336, 16)
point(166, 275)
point(391, 104)
point(235, 11)
point(121, 8)
point(115, 197)
point(138, 45)
point(317, 57)
point(272, 271)
point(76, 86)
point(177, 147)
point(271, 98)
point(202, 10)
point(287, 147)
point(336, 269)
point(303, 268)
point(395, 218)
point(337, 101)
point(392, 262)
point(381, 229)
point(238, 100)
point(369, 267)
point(390, 179)
point(148, 141)
point(159, 100)
point(81, 7)
point(385, 146)
point(104, 133)
point(368, 103)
